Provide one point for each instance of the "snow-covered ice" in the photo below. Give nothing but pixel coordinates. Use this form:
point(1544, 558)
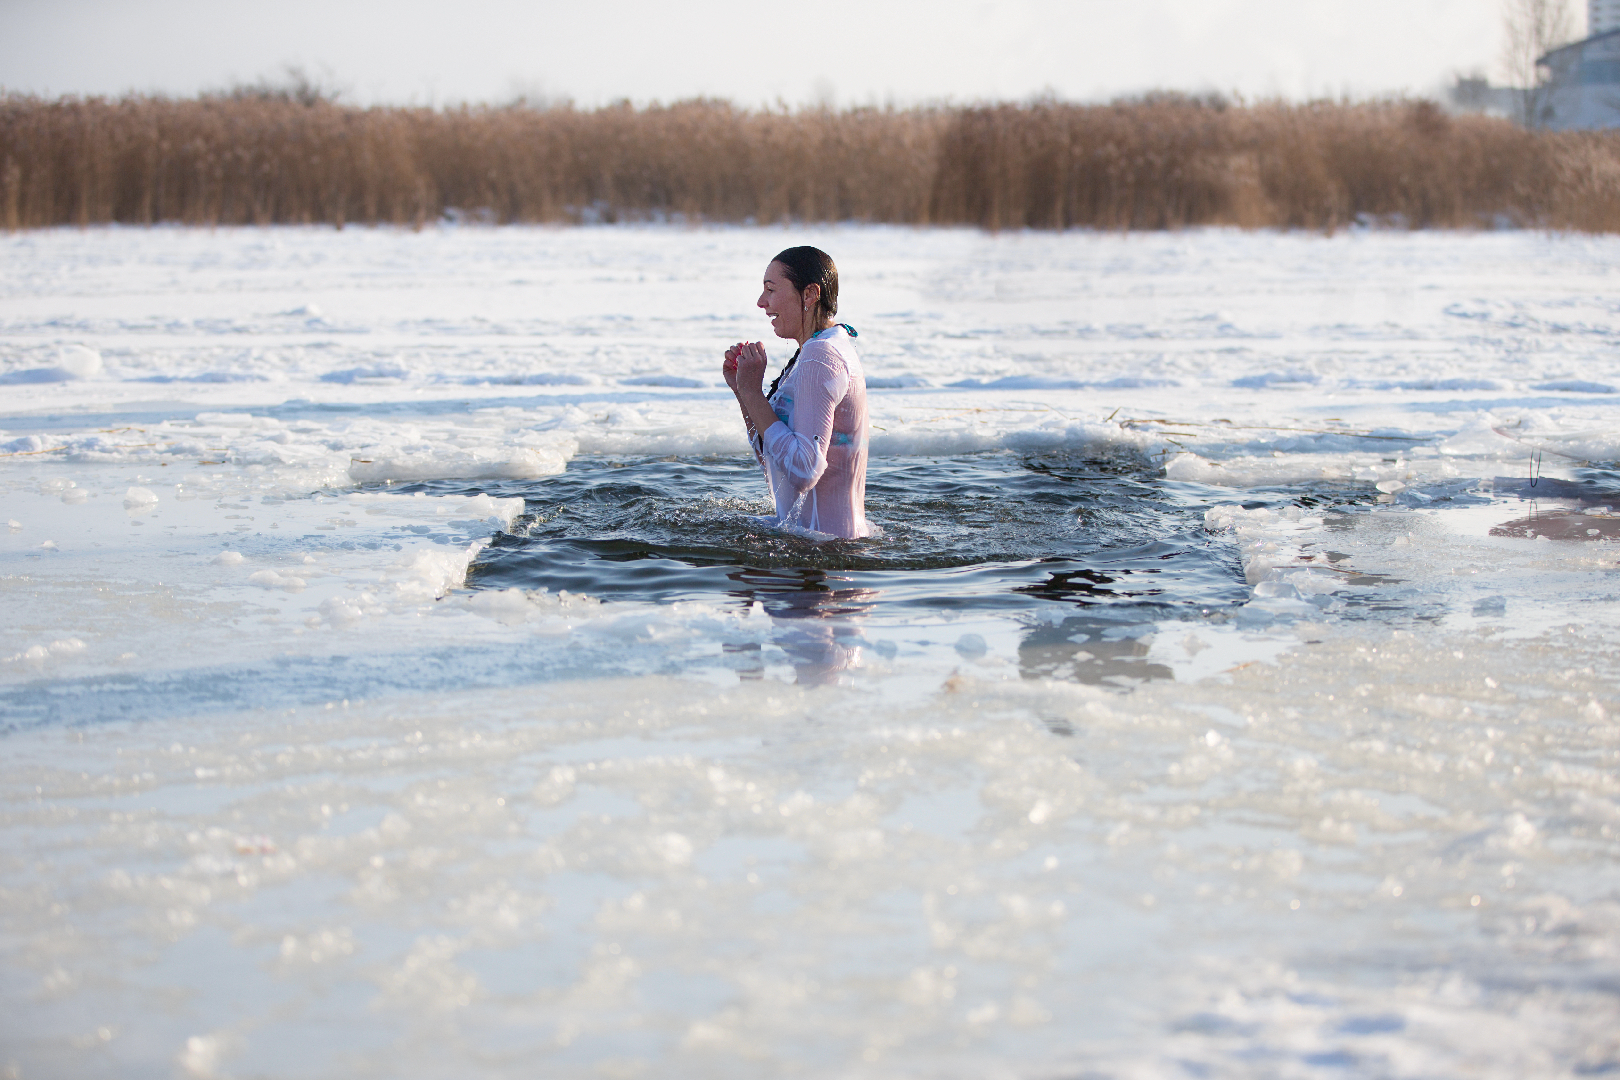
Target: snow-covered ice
point(297, 783)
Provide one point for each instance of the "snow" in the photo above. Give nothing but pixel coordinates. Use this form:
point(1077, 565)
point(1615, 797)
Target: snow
point(284, 796)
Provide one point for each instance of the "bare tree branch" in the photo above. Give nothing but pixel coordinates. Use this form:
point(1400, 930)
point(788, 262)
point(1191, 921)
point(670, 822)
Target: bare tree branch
point(1534, 28)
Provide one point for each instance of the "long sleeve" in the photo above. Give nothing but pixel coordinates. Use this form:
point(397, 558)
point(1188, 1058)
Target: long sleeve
point(799, 450)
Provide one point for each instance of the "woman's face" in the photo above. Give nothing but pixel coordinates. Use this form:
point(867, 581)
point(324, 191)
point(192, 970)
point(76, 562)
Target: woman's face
point(782, 302)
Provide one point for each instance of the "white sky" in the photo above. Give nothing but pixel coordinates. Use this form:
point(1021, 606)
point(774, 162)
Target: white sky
point(844, 51)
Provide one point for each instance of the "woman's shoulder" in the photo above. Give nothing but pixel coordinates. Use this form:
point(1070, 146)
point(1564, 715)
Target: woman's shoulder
point(836, 347)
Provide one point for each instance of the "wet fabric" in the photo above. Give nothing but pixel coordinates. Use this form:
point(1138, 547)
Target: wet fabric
point(814, 457)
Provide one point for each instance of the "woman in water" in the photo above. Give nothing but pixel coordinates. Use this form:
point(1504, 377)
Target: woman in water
point(809, 430)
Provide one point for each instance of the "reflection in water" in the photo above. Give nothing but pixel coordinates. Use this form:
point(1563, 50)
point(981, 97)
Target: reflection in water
point(1085, 649)
point(815, 621)
point(1087, 586)
point(1563, 523)
point(1089, 651)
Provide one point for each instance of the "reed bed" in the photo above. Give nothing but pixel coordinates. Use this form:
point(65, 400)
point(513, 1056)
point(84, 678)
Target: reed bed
point(1156, 163)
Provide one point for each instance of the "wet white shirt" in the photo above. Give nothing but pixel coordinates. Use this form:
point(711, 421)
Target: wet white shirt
point(814, 456)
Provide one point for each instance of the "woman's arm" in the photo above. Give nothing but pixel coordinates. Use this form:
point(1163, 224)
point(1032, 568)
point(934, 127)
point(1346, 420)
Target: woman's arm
point(749, 387)
point(729, 371)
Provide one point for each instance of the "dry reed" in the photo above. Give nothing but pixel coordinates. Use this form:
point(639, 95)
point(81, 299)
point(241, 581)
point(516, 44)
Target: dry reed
point(1156, 163)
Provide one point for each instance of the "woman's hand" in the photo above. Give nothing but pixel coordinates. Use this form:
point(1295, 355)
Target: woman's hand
point(750, 366)
point(745, 373)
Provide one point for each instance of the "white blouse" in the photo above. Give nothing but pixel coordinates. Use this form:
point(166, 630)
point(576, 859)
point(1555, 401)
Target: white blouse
point(814, 456)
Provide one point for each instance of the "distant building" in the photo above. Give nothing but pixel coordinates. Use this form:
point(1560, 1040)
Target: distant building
point(1602, 16)
point(1583, 79)
point(1475, 94)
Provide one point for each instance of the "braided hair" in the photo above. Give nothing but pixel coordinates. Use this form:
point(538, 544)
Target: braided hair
point(805, 266)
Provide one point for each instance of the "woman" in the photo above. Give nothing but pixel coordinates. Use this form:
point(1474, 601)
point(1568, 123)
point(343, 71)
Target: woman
point(810, 429)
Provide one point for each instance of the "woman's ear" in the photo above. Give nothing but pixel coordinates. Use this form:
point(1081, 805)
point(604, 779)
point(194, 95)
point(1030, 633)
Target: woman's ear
point(812, 295)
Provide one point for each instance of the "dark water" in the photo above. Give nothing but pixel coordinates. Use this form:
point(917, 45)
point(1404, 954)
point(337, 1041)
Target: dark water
point(983, 532)
point(1089, 555)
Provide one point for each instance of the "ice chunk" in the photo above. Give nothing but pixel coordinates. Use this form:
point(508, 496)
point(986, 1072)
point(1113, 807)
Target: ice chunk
point(486, 507)
point(343, 611)
point(72, 362)
point(229, 558)
point(1191, 467)
point(427, 575)
point(502, 512)
point(509, 607)
point(269, 579)
point(495, 463)
point(79, 362)
point(139, 498)
point(38, 654)
point(971, 646)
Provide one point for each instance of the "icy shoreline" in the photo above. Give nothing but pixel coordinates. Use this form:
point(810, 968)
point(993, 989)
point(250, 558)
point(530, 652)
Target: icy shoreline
point(284, 797)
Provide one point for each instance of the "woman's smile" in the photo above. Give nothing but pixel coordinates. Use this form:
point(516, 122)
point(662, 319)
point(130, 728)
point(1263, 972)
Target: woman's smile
point(781, 301)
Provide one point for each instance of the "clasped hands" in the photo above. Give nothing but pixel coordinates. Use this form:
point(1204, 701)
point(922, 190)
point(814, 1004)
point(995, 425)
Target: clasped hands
point(744, 368)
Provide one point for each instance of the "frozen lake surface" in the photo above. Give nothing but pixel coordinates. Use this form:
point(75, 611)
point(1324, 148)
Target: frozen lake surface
point(392, 682)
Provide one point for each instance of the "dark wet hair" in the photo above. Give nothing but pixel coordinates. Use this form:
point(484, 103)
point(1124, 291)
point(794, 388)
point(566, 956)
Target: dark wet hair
point(805, 266)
